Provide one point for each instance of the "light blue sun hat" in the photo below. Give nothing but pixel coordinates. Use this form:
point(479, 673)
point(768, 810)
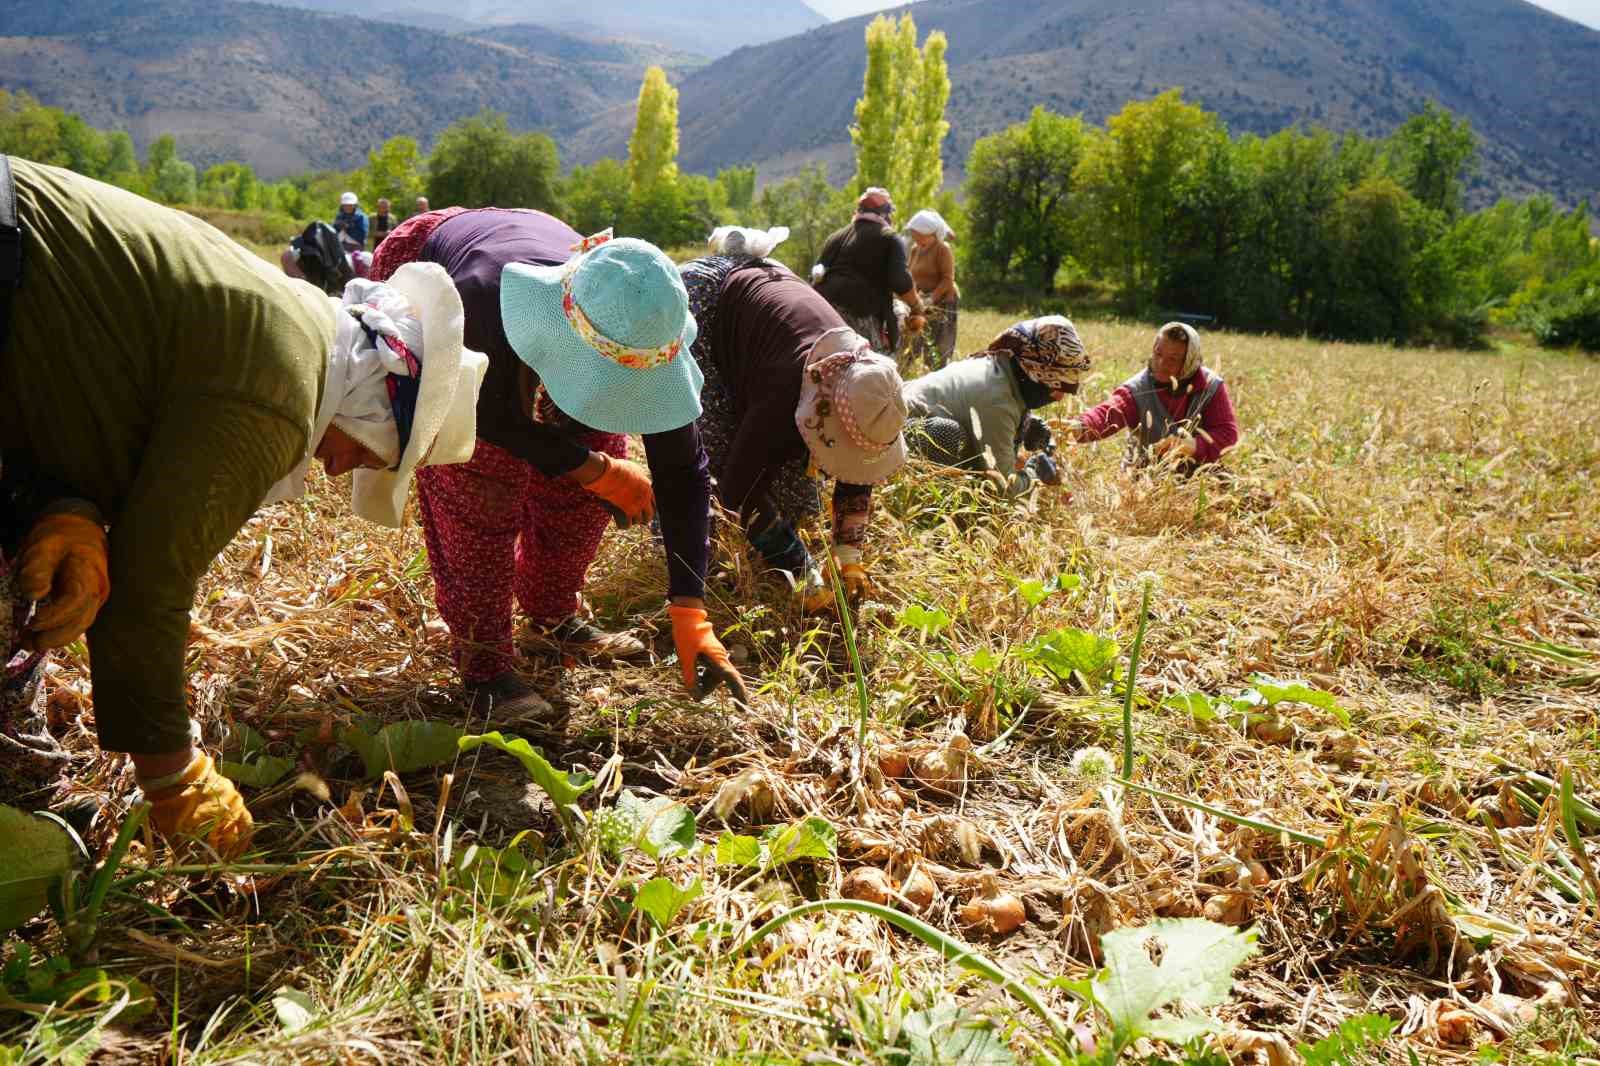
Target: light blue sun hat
point(608, 333)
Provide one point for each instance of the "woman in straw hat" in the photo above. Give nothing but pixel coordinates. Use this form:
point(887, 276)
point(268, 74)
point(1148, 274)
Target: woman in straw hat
point(1178, 411)
point(587, 341)
point(791, 388)
point(933, 271)
point(974, 413)
point(177, 383)
point(862, 268)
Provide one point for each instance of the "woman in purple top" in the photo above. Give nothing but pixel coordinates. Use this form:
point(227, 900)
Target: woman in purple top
point(524, 518)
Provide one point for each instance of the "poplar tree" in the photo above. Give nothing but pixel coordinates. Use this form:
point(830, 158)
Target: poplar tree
point(900, 126)
point(653, 148)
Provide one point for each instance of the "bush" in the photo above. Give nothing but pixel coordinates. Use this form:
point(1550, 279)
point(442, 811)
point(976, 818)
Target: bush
point(1567, 313)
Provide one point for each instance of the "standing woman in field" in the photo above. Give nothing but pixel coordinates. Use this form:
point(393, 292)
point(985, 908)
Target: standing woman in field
point(175, 382)
point(790, 389)
point(933, 271)
point(862, 268)
point(587, 341)
point(1178, 412)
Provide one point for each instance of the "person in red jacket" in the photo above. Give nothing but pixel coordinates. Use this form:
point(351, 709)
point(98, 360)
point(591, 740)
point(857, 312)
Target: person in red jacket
point(1178, 411)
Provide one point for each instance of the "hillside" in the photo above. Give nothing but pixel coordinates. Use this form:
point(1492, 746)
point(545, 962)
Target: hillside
point(287, 89)
point(696, 26)
point(1524, 77)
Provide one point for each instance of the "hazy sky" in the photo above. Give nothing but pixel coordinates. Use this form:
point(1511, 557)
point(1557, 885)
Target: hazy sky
point(1585, 11)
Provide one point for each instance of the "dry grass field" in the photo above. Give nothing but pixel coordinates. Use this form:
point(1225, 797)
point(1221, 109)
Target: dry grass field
point(1413, 536)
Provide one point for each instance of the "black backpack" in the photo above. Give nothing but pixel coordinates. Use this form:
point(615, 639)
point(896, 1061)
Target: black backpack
point(322, 258)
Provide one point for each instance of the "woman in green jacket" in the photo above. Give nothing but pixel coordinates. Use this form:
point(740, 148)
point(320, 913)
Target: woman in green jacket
point(175, 381)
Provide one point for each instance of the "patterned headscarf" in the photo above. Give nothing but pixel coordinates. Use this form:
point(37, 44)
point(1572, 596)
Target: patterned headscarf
point(1048, 349)
point(1191, 359)
point(875, 205)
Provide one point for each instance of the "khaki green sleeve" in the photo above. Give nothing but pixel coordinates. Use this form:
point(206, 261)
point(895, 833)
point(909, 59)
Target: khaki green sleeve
point(208, 465)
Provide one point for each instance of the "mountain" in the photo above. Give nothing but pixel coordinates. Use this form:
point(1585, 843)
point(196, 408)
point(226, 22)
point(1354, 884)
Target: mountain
point(704, 27)
point(287, 90)
point(1524, 77)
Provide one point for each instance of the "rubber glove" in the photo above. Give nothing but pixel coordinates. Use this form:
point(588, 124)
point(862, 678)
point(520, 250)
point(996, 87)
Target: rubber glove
point(624, 487)
point(852, 574)
point(700, 650)
point(1175, 449)
point(814, 593)
point(63, 563)
point(199, 803)
point(1044, 469)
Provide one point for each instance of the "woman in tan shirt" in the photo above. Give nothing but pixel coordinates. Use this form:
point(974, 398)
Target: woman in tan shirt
point(933, 271)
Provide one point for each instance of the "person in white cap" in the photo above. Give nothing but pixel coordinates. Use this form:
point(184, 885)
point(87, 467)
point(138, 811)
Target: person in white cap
point(933, 270)
point(1178, 412)
point(174, 381)
point(789, 387)
point(351, 223)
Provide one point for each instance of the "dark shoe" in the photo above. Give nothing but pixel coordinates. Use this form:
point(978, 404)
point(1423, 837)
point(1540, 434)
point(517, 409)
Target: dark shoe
point(508, 698)
point(579, 638)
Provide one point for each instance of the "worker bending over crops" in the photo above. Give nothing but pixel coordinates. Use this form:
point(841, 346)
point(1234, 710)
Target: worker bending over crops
point(790, 389)
point(176, 382)
point(587, 341)
point(974, 413)
point(1178, 411)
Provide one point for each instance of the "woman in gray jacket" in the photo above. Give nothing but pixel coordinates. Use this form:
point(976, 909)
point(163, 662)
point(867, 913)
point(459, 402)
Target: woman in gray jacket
point(973, 414)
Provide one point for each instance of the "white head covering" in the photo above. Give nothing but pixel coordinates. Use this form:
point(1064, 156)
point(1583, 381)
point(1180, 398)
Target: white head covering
point(741, 240)
point(930, 221)
point(1191, 358)
point(420, 309)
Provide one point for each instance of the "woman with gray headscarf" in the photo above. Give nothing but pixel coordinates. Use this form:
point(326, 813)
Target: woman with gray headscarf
point(1179, 412)
point(933, 270)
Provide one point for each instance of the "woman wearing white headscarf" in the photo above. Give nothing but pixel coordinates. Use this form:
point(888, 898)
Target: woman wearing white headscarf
point(933, 271)
point(173, 380)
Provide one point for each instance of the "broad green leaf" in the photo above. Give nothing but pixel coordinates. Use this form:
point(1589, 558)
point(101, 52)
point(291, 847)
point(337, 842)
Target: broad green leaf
point(562, 788)
point(63, 1044)
point(1182, 1029)
point(734, 849)
point(34, 854)
point(1274, 692)
point(294, 1008)
point(1197, 962)
point(403, 747)
point(1033, 591)
point(809, 838)
point(1197, 704)
point(662, 900)
point(243, 742)
point(665, 828)
point(1064, 652)
point(949, 1036)
point(497, 874)
point(926, 619)
point(262, 772)
point(985, 660)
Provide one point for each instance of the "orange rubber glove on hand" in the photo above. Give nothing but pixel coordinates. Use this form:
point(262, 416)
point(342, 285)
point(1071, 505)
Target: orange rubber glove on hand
point(199, 803)
point(699, 647)
point(63, 562)
point(625, 488)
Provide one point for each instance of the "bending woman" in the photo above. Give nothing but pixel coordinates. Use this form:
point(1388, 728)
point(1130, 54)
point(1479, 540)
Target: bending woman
point(789, 386)
point(974, 413)
point(174, 381)
point(586, 343)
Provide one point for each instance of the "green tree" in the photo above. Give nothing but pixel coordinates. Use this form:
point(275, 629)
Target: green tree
point(393, 172)
point(1153, 152)
point(122, 165)
point(1375, 231)
point(810, 207)
point(738, 187)
point(900, 127)
point(1432, 154)
point(1020, 192)
point(653, 148)
point(596, 196)
point(480, 162)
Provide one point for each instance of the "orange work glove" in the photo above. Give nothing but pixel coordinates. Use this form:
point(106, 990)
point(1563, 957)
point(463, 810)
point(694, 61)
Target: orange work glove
point(699, 648)
point(625, 489)
point(857, 586)
point(201, 804)
point(63, 564)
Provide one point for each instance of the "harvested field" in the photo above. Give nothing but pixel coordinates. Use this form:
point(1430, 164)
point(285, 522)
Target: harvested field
point(1412, 536)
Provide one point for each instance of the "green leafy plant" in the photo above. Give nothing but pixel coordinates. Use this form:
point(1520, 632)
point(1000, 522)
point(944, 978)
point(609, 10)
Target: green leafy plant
point(403, 747)
point(35, 855)
point(1348, 1044)
point(662, 900)
point(1197, 960)
point(246, 761)
point(1070, 654)
point(809, 838)
point(562, 788)
point(946, 1035)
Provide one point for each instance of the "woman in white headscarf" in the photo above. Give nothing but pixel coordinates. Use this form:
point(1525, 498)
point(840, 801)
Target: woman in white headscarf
point(933, 271)
point(173, 380)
